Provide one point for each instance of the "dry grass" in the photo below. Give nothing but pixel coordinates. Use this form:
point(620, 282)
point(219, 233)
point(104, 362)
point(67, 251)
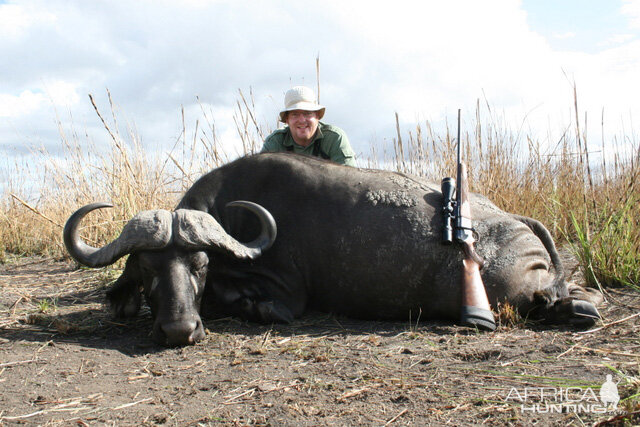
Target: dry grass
point(592, 206)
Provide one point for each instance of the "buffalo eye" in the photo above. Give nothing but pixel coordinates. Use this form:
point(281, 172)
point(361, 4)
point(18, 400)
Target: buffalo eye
point(150, 280)
point(154, 284)
point(146, 267)
point(149, 275)
point(199, 270)
point(199, 266)
point(147, 272)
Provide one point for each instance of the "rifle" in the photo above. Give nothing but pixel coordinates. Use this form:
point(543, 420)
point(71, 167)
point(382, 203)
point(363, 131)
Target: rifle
point(458, 227)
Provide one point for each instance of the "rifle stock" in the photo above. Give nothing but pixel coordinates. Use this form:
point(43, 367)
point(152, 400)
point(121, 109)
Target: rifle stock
point(476, 311)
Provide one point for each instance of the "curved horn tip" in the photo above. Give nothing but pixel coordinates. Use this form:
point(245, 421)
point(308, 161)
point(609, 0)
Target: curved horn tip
point(74, 220)
point(84, 210)
point(269, 229)
point(79, 250)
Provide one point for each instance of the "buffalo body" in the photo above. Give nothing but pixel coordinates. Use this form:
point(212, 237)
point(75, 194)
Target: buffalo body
point(358, 242)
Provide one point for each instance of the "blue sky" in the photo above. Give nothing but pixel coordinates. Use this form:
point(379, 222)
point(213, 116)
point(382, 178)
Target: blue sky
point(577, 25)
point(423, 60)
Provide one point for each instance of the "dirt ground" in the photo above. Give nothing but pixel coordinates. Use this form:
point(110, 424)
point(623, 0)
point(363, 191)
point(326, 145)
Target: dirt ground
point(64, 360)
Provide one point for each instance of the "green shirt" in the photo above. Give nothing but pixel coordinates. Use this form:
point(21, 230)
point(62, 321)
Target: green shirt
point(333, 143)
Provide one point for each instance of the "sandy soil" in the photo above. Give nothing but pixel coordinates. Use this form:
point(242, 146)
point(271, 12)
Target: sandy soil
point(63, 360)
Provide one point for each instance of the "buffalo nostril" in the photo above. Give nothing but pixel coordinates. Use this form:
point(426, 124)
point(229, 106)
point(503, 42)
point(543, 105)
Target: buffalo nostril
point(180, 332)
point(198, 334)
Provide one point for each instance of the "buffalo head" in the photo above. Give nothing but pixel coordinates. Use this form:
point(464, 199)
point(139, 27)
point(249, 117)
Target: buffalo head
point(168, 263)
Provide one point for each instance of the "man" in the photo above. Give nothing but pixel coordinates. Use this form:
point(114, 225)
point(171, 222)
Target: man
point(305, 133)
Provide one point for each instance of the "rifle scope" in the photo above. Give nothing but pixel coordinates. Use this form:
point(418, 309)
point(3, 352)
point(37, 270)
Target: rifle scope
point(448, 188)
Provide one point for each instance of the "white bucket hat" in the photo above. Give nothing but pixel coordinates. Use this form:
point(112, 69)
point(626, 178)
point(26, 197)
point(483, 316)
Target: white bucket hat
point(300, 98)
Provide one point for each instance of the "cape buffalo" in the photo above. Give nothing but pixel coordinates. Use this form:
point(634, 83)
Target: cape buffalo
point(358, 242)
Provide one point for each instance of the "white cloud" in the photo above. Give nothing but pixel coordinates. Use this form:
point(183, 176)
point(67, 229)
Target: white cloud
point(15, 106)
point(62, 92)
point(631, 8)
point(564, 36)
point(15, 20)
point(422, 59)
point(617, 39)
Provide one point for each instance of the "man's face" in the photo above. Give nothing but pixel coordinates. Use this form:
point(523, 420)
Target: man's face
point(303, 125)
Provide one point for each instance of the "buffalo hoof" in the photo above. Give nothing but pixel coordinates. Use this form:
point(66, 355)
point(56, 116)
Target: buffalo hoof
point(567, 310)
point(582, 311)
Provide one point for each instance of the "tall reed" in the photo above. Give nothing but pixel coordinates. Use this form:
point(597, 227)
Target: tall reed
point(592, 207)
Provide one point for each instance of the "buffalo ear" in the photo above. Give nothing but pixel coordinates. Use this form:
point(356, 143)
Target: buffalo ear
point(125, 295)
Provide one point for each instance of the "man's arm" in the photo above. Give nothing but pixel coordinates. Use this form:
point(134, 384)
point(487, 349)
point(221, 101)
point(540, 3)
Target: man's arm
point(340, 150)
point(273, 143)
point(343, 158)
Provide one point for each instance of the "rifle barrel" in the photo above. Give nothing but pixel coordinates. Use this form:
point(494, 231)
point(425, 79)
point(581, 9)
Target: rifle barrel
point(459, 178)
point(458, 138)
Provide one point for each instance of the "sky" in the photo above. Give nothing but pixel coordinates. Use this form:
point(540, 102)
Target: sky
point(420, 59)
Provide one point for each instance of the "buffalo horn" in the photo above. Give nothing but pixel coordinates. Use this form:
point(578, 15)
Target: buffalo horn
point(147, 230)
point(194, 228)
